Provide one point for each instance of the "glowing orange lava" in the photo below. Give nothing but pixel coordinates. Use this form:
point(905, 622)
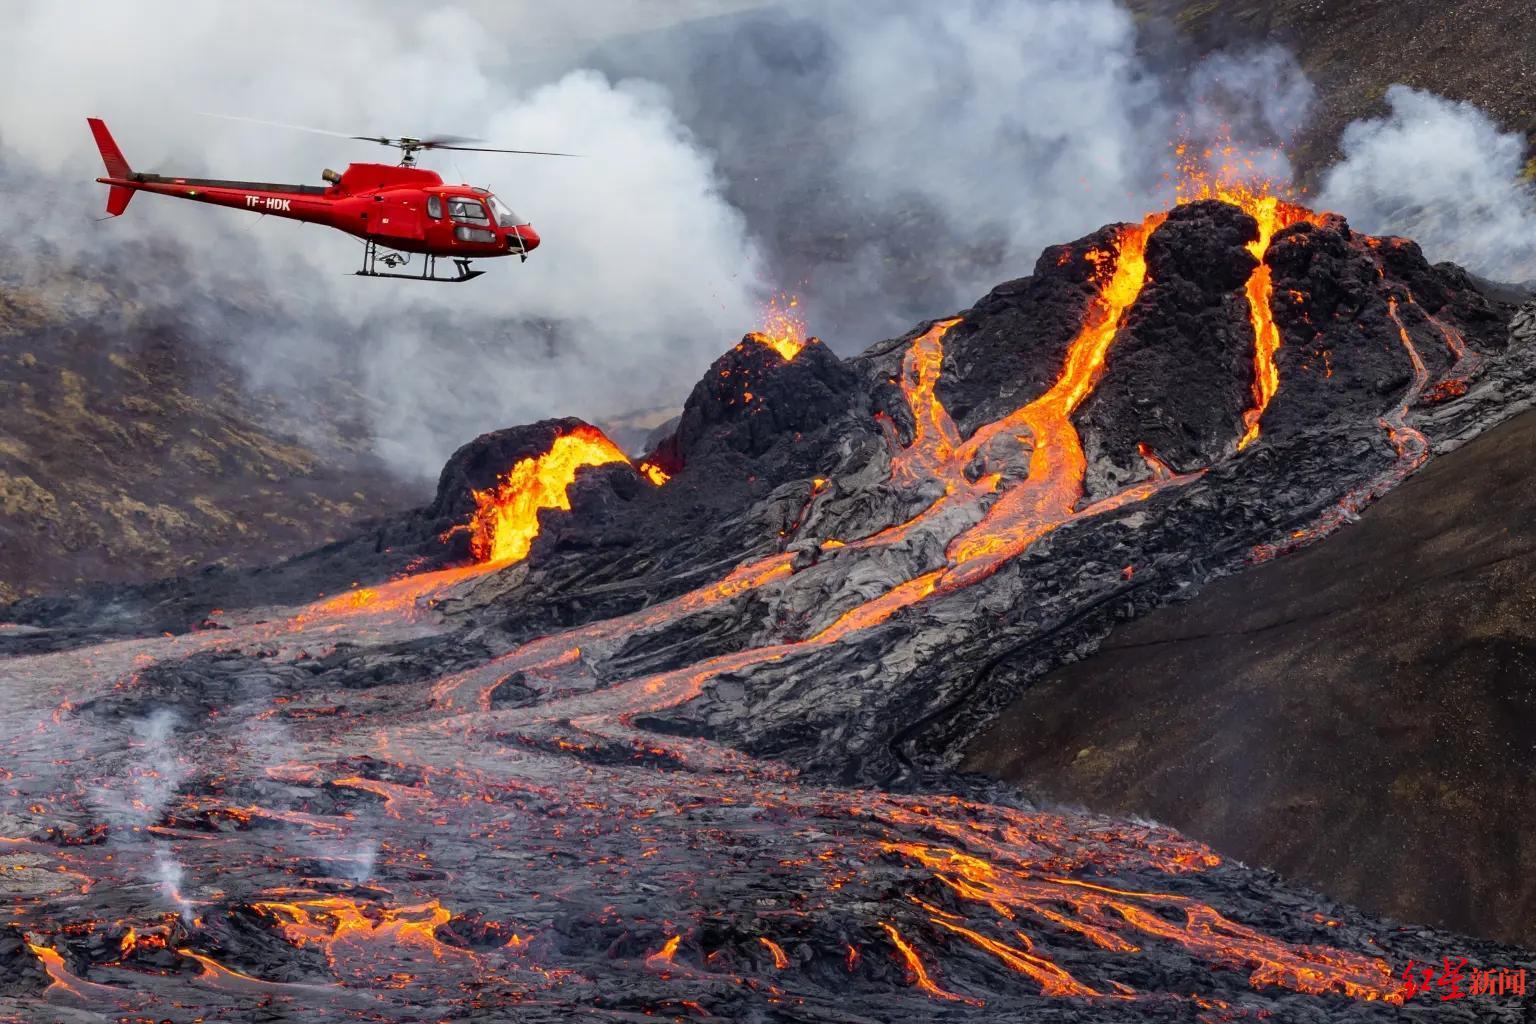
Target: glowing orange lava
point(662, 958)
point(63, 982)
point(327, 920)
point(1266, 202)
point(917, 972)
point(1099, 910)
point(1057, 464)
point(935, 439)
point(780, 958)
point(506, 518)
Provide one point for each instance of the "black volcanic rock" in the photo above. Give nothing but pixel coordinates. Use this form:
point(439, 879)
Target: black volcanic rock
point(1009, 349)
point(21, 973)
point(752, 400)
point(1179, 376)
point(1339, 343)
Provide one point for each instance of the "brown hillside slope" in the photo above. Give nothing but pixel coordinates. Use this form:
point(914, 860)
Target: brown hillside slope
point(1482, 51)
point(129, 451)
point(1360, 715)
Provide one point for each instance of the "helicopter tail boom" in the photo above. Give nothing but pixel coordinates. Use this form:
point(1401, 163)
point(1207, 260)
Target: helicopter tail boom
point(117, 166)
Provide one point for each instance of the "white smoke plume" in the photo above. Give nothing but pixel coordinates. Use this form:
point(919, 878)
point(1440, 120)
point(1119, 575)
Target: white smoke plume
point(140, 795)
point(363, 857)
point(1442, 173)
point(1021, 116)
point(1036, 122)
point(265, 744)
point(931, 150)
point(149, 779)
point(168, 877)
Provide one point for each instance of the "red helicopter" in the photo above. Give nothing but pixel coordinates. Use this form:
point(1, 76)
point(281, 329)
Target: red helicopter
point(394, 209)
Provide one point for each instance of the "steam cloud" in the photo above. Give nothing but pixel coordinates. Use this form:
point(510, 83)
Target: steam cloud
point(923, 152)
point(891, 159)
point(1443, 174)
point(150, 779)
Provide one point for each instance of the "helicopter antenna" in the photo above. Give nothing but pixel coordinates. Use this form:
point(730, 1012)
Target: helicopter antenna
point(407, 145)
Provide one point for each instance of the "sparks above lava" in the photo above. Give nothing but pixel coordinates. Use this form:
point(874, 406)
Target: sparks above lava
point(783, 328)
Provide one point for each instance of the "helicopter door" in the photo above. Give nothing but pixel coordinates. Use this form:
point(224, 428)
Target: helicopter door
point(400, 218)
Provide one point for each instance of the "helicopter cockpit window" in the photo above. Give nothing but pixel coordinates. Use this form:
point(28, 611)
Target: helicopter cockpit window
point(467, 211)
point(504, 215)
point(434, 208)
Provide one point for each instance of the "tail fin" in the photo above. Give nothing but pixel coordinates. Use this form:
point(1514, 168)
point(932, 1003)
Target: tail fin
point(117, 167)
point(117, 200)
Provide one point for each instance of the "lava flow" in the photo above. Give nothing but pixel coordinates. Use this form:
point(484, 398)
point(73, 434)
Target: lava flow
point(506, 518)
point(604, 787)
point(1232, 184)
point(1272, 214)
point(1050, 493)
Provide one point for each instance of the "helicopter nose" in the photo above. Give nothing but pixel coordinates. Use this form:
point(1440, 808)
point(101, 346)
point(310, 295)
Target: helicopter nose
point(528, 237)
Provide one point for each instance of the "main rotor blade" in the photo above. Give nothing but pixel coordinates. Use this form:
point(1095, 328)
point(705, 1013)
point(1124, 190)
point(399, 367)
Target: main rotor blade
point(436, 142)
point(525, 152)
point(293, 127)
point(444, 141)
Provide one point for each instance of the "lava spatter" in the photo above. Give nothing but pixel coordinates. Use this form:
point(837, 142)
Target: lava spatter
point(782, 328)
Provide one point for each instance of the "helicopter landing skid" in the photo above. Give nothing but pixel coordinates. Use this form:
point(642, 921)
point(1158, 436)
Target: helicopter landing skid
point(391, 260)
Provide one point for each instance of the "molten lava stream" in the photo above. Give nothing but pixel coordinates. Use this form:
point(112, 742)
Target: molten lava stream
point(1057, 465)
point(63, 985)
point(1411, 445)
point(935, 438)
point(919, 973)
point(1272, 215)
point(1099, 913)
